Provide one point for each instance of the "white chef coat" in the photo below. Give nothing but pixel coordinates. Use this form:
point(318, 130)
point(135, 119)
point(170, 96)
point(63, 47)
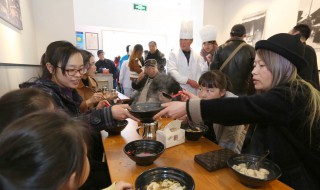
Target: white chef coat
point(179, 69)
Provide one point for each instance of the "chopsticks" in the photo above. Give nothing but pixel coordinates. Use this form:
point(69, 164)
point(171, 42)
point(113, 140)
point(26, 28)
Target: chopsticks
point(171, 96)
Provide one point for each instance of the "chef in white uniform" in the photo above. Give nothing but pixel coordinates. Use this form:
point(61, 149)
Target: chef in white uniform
point(184, 64)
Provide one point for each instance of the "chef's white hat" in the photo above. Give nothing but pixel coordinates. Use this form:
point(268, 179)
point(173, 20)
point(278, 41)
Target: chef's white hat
point(186, 30)
point(208, 33)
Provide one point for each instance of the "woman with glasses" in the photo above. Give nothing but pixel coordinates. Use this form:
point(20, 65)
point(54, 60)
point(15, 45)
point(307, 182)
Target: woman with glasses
point(62, 68)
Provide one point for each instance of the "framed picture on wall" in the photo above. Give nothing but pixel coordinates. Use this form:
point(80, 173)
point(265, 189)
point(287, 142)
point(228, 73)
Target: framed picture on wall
point(11, 13)
point(254, 24)
point(92, 41)
point(308, 13)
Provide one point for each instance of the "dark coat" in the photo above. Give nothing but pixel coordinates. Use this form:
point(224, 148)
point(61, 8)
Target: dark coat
point(310, 71)
point(69, 101)
point(139, 85)
point(239, 68)
point(281, 128)
point(108, 64)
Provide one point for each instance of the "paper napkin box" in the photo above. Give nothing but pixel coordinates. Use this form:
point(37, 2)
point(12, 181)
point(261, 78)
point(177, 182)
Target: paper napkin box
point(171, 135)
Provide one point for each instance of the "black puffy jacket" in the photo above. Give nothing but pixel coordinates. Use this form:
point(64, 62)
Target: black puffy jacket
point(239, 68)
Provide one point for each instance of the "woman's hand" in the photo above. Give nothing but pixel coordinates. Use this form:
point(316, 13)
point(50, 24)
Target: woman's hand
point(121, 185)
point(141, 76)
point(96, 97)
point(173, 110)
point(120, 112)
point(193, 83)
point(209, 58)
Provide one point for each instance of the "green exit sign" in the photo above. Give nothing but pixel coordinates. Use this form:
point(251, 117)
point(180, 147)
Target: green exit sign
point(140, 7)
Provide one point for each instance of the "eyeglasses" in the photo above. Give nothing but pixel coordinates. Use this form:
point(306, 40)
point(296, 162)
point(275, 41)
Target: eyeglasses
point(72, 72)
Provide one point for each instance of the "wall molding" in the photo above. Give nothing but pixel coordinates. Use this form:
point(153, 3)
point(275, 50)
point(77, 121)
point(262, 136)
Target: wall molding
point(19, 65)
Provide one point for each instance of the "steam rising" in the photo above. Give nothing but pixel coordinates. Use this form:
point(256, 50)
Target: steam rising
point(161, 83)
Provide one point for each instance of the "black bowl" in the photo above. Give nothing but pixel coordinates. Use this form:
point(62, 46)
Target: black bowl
point(117, 130)
point(252, 182)
point(193, 131)
point(144, 152)
point(161, 173)
point(145, 111)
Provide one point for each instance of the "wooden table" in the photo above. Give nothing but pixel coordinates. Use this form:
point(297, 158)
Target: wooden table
point(181, 156)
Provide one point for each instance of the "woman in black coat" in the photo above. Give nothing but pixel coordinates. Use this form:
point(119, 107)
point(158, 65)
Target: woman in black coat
point(286, 110)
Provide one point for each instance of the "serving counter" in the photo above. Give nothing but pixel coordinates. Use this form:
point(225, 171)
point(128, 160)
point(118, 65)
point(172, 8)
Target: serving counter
point(181, 156)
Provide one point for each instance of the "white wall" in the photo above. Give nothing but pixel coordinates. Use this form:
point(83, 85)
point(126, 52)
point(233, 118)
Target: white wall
point(18, 46)
point(162, 17)
point(281, 15)
point(213, 14)
point(43, 21)
point(54, 20)
point(12, 76)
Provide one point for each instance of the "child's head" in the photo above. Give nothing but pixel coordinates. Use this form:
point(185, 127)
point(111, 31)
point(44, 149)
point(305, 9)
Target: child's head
point(18, 103)
point(43, 150)
point(212, 84)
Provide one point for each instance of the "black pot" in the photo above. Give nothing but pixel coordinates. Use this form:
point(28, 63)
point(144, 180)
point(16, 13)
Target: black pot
point(145, 111)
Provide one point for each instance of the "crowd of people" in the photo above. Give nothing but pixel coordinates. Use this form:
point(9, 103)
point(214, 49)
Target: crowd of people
point(253, 100)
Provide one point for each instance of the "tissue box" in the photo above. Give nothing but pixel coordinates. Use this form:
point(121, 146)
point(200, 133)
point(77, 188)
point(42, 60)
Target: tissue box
point(171, 135)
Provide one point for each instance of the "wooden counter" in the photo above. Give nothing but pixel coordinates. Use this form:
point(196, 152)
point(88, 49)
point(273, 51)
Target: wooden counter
point(181, 156)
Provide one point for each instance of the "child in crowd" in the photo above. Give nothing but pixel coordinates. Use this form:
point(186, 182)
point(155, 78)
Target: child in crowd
point(212, 85)
point(30, 159)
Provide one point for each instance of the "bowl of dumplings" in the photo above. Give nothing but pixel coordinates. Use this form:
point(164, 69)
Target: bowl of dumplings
point(164, 178)
point(253, 178)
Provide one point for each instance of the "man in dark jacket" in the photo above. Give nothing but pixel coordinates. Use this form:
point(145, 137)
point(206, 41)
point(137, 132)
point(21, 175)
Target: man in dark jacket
point(154, 53)
point(107, 64)
point(238, 69)
point(310, 71)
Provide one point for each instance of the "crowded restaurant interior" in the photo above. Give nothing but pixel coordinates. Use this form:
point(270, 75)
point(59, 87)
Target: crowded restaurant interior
point(159, 95)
